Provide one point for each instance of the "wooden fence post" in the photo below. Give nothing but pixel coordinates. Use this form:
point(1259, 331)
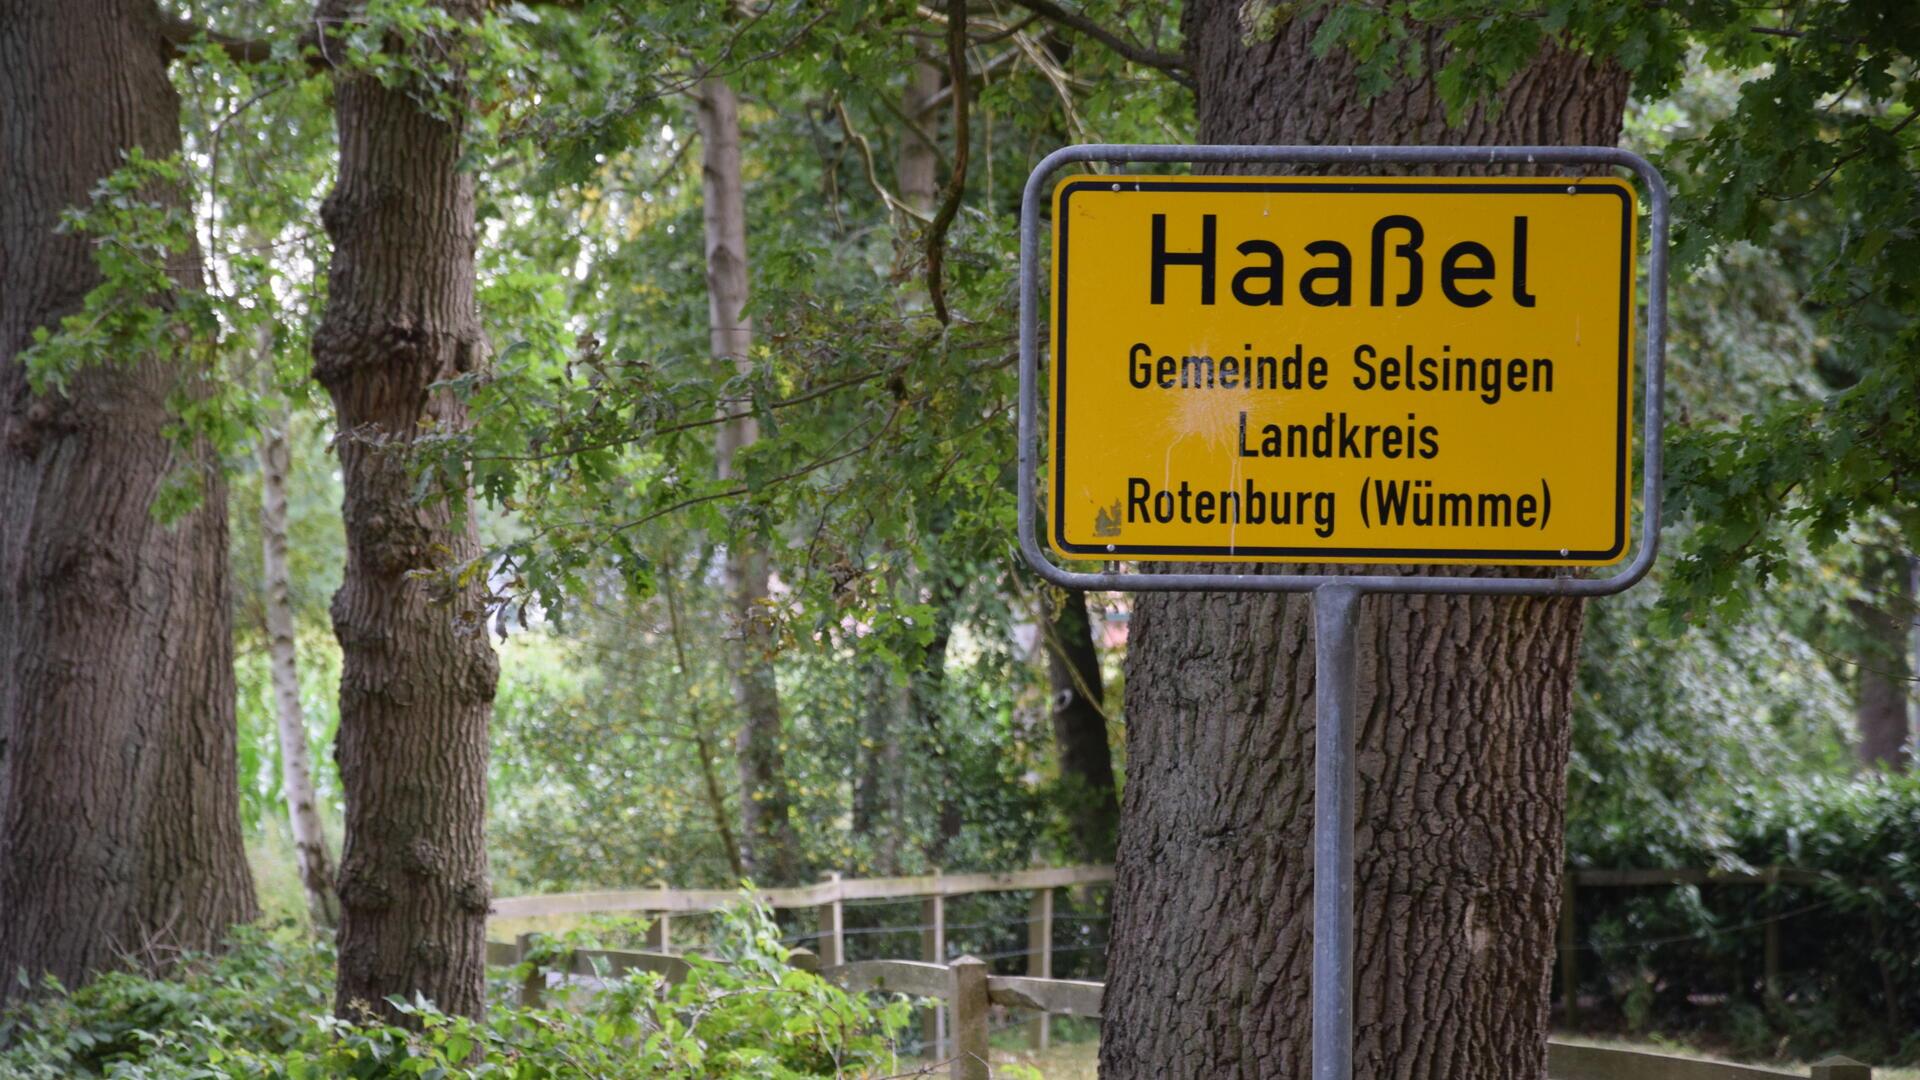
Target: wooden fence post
point(536, 981)
point(833, 942)
point(659, 933)
point(1839, 1068)
point(1569, 954)
point(968, 999)
point(933, 950)
point(1040, 955)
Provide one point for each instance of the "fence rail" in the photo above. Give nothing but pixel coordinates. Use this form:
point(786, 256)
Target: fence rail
point(832, 890)
point(969, 989)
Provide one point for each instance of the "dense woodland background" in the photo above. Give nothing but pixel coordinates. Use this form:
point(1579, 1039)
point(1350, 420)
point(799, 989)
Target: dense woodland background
point(661, 357)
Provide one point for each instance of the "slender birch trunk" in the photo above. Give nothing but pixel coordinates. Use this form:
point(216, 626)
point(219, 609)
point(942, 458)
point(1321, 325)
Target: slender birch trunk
point(768, 846)
point(296, 759)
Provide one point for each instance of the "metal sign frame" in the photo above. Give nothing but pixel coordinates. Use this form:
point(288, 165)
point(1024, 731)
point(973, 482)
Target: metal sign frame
point(1561, 584)
point(1336, 596)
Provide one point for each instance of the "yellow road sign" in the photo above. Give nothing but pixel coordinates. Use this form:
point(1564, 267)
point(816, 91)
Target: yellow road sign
point(1342, 369)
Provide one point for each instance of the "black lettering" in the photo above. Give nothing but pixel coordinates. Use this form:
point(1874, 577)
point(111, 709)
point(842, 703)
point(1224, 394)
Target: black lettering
point(1275, 288)
point(1451, 271)
point(1323, 514)
point(1139, 372)
point(1361, 355)
point(1496, 509)
point(1340, 274)
point(1410, 251)
point(1137, 492)
point(1520, 294)
point(1162, 258)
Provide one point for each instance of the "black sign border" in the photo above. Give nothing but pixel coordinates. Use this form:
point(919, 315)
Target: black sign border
point(1622, 466)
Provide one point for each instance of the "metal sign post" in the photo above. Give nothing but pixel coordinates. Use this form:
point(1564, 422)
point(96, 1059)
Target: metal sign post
point(1336, 595)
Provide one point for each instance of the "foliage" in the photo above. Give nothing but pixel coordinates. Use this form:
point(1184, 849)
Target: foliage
point(612, 759)
point(262, 1010)
point(1819, 150)
point(1690, 960)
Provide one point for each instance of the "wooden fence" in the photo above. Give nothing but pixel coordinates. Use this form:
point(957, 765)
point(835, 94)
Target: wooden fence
point(828, 899)
point(969, 990)
point(1576, 880)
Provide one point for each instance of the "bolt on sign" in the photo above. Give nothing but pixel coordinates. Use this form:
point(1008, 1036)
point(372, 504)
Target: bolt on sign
point(1342, 369)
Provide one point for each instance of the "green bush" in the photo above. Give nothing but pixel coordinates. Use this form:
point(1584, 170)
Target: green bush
point(1691, 961)
point(262, 1009)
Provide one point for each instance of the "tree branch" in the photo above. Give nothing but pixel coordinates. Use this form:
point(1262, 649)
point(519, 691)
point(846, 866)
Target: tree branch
point(180, 33)
point(957, 181)
point(1173, 65)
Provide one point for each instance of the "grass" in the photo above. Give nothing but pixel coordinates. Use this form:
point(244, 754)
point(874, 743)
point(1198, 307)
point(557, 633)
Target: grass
point(1669, 1046)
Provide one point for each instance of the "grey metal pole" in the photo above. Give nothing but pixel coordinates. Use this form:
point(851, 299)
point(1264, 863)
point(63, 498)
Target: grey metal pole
point(1335, 642)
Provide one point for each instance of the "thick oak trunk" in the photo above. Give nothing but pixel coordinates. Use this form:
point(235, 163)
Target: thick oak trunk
point(1462, 722)
point(769, 848)
point(313, 860)
point(418, 674)
point(1080, 728)
point(119, 826)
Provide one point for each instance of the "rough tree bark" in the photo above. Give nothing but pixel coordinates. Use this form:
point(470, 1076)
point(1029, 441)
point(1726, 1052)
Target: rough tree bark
point(769, 847)
point(1080, 727)
point(119, 824)
point(1463, 721)
point(315, 862)
point(418, 674)
point(1881, 708)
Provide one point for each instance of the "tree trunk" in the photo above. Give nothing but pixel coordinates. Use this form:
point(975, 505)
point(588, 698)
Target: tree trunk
point(917, 164)
point(702, 742)
point(296, 761)
point(926, 685)
point(1462, 721)
point(418, 674)
point(119, 823)
point(1881, 707)
point(870, 804)
point(879, 789)
point(769, 848)
point(1080, 728)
